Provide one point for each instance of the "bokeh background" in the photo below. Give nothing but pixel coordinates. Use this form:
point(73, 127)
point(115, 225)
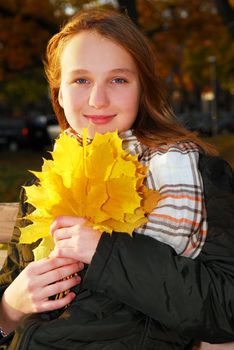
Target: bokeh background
point(194, 44)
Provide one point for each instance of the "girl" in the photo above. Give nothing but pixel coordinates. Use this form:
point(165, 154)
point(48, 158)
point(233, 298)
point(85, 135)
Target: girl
point(169, 285)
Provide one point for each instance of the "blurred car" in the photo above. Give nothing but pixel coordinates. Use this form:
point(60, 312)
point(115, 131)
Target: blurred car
point(13, 134)
point(226, 122)
point(205, 125)
point(37, 132)
point(190, 120)
point(40, 133)
point(53, 131)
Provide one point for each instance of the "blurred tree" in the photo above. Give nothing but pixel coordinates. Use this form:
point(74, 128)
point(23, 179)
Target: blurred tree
point(130, 6)
point(25, 28)
point(184, 34)
point(226, 8)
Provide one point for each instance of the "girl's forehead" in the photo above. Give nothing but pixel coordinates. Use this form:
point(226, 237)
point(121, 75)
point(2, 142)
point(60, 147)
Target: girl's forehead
point(89, 49)
point(89, 39)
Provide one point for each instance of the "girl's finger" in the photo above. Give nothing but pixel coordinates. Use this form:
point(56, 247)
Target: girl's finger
point(50, 305)
point(59, 252)
point(66, 221)
point(60, 234)
point(59, 287)
point(57, 274)
point(45, 265)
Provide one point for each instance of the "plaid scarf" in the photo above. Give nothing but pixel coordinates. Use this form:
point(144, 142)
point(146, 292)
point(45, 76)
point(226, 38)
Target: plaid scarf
point(179, 219)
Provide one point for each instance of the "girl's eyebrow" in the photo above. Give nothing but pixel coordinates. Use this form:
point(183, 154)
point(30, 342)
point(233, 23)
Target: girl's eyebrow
point(115, 70)
point(123, 70)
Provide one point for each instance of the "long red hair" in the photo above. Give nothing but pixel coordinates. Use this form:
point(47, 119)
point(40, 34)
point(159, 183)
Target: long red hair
point(155, 123)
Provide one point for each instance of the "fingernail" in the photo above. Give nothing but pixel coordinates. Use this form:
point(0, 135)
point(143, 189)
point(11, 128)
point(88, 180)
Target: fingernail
point(77, 278)
point(81, 266)
point(73, 295)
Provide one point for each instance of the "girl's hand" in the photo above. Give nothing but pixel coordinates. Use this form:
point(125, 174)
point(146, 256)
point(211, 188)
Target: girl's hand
point(30, 291)
point(73, 239)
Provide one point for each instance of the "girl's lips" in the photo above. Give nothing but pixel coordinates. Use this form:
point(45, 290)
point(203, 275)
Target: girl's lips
point(100, 119)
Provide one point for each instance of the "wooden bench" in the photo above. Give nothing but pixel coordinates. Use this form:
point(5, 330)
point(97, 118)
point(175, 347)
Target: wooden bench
point(8, 213)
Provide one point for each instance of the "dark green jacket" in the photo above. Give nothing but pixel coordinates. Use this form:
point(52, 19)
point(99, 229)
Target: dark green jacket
point(138, 294)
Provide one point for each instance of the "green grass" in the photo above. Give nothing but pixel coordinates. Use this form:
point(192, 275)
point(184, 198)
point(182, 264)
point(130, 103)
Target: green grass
point(14, 172)
point(14, 166)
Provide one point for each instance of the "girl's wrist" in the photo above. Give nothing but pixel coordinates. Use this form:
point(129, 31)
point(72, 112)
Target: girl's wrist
point(9, 317)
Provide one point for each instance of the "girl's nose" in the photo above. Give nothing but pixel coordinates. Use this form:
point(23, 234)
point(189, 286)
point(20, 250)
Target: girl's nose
point(98, 97)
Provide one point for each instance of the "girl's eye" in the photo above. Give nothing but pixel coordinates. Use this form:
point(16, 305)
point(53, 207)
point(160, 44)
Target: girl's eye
point(81, 81)
point(119, 81)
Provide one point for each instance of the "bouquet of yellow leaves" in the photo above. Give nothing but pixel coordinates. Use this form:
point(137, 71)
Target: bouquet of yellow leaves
point(98, 181)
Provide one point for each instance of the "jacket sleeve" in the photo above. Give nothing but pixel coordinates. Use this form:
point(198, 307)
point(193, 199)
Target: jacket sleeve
point(18, 255)
point(194, 297)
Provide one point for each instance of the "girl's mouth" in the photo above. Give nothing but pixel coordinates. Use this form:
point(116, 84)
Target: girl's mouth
point(100, 119)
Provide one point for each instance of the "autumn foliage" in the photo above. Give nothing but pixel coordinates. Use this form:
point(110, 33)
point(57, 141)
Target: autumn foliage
point(112, 196)
point(184, 34)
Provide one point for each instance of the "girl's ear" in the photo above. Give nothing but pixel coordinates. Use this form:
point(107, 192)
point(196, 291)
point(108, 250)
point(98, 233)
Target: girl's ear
point(60, 98)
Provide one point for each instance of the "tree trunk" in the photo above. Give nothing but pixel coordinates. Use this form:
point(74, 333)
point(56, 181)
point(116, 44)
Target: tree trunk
point(130, 6)
point(226, 9)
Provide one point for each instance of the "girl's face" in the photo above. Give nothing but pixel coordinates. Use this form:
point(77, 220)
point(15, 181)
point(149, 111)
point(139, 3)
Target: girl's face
point(100, 87)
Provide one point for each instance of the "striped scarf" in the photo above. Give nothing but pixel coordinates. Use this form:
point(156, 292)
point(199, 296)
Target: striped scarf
point(179, 219)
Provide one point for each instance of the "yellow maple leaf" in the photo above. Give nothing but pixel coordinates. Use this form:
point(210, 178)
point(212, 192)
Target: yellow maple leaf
point(98, 181)
point(44, 248)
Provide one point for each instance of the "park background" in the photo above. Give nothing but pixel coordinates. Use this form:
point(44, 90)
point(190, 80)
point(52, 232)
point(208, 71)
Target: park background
point(194, 44)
